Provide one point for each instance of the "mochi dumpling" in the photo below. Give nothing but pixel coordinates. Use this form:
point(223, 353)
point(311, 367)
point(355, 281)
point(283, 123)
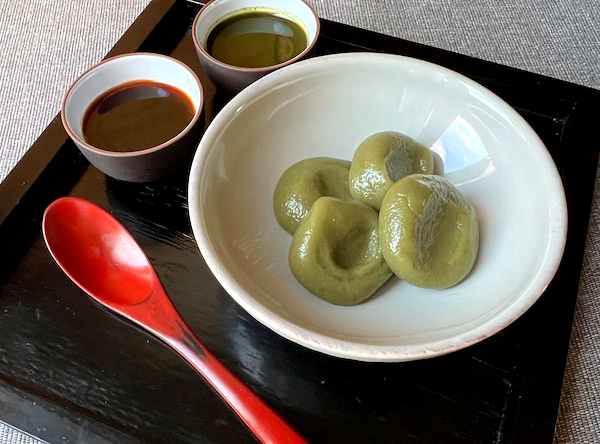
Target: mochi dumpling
point(429, 231)
point(382, 159)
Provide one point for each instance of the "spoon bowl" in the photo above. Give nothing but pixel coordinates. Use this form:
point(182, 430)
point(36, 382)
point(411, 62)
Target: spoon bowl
point(112, 266)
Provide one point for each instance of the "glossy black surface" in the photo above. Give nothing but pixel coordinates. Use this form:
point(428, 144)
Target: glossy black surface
point(71, 372)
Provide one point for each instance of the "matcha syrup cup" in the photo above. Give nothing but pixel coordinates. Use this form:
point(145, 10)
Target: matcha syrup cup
point(235, 78)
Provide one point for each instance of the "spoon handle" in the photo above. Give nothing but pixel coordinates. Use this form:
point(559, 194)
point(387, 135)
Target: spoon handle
point(266, 425)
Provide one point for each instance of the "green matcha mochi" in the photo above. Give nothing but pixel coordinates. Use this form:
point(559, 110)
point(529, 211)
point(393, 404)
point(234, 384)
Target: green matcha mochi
point(303, 183)
point(335, 252)
point(429, 232)
point(382, 159)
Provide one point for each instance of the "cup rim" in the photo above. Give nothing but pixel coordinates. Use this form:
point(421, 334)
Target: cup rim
point(83, 143)
point(265, 69)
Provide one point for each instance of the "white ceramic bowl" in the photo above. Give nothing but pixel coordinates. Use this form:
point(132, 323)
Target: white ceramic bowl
point(324, 107)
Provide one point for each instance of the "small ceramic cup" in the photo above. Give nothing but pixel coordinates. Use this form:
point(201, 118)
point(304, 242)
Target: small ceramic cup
point(150, 163)
point(235, 78)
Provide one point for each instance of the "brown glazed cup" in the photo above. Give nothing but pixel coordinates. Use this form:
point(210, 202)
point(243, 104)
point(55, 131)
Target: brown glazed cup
point(235, 78)
point(150, 163)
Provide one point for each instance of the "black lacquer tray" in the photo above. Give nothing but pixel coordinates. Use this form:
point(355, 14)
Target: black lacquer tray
point(71, 372)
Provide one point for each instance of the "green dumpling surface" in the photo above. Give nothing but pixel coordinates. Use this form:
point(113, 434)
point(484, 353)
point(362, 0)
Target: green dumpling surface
point(429, 232)
point(336, 254)
point(303, 183)
point(382, 159)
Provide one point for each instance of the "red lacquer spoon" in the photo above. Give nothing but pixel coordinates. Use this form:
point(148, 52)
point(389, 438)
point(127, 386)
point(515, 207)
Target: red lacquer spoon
point(102, 258)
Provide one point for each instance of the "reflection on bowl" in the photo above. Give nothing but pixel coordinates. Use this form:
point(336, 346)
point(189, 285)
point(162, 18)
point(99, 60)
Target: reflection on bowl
point(325, 107)
point(463, 153)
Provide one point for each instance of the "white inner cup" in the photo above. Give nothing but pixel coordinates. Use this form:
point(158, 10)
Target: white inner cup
point(218, 10)
point(123, 69)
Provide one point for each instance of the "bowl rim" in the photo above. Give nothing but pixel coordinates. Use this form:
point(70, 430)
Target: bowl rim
point(350, 349)
point(84, 144)
point(265, 69)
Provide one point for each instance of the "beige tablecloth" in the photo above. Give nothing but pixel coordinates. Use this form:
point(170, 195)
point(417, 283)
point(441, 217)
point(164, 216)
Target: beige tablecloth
point(47, 43)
